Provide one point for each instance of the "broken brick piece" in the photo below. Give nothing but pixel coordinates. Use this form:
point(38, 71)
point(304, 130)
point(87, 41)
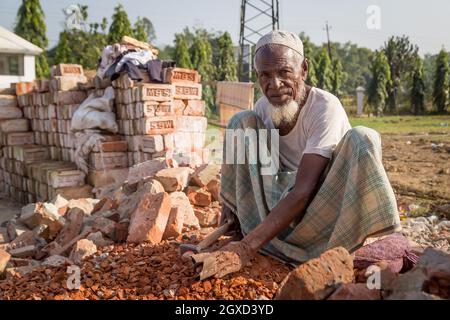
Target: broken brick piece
point(317, 278)
point(174, 179)
point(105, 225)
point(207, 217)
point(214, 188)
point(4, 259)
point(99, 239)
point(149, 221)
point(198, 197)
point(355, 291)
point(82, 249)
point(174, 224)
point(205, 174)
point(181, 201)
point(72, 227)
point(23, 252)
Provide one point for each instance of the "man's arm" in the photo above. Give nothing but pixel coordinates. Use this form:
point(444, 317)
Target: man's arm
point(310, 171)
point(235, 255)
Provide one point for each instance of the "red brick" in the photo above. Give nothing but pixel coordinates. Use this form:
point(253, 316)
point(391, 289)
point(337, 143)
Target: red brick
point(14, 125)
point(105, 225)
point(102, 178)
point(121, 233)
point(174, 224)
point(67, 83)
point(214, 188)
point(18, 138)
point(72, 227)
point(112, 146)
point(4, 259)
point(207, 217)
point(195, 108)
point(159, 125)
point(83, 248)
point(63, 69)
point(10, 113)
point(187, 91)
point(24, 87)
point(179, 106)
point(149, 221)
point(198, 197)
point(99, 240)
point(355, 291)
point(66, 178)
point(108, 160)
point(152, 144)
point(181, 201)
point(317, 278)
point(156, 92)
point(181, 75)
point(174, 179)
point(205, 174)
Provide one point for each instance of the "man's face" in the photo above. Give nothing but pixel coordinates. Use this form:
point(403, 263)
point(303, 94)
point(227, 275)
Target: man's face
point(281, 74)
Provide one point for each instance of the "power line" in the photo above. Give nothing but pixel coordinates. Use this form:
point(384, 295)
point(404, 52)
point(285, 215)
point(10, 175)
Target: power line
point(327, 29)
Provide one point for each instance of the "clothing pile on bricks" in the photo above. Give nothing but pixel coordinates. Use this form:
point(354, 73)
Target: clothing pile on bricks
point(159, 117)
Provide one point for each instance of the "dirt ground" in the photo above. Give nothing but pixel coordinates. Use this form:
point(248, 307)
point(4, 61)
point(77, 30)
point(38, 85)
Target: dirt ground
point(147, 272)
point(418, 167)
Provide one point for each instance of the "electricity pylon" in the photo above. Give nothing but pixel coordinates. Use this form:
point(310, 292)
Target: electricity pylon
point(257, 18)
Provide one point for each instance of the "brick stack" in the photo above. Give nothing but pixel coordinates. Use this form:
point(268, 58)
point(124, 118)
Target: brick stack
point(13, 131)
point(37, 165)
point(157, 119)
point(108, 162)
point(50, 108)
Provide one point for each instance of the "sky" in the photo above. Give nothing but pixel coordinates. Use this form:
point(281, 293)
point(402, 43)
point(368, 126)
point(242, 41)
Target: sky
point(427, 23)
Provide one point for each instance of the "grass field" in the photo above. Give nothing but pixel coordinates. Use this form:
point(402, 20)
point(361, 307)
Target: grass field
point(400, 124)
point(406, 124)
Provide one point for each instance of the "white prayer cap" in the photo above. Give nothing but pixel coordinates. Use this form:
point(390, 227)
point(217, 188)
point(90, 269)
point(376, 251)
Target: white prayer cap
point(284, 38)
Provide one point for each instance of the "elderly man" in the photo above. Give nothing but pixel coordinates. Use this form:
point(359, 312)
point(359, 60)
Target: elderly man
point(330, 189)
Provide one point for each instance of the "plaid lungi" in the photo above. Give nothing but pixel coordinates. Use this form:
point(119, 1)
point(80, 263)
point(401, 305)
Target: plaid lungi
point(355, 200)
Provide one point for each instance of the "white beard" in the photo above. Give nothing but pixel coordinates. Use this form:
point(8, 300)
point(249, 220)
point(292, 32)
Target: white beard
point(285, 114)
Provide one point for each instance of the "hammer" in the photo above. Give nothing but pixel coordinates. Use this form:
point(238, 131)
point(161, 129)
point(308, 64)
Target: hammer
point(208, 241)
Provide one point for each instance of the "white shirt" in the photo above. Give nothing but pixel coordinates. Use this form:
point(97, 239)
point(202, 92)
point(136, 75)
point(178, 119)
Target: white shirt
point(321, 124)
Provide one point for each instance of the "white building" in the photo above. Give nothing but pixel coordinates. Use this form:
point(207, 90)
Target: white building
point(16, 58)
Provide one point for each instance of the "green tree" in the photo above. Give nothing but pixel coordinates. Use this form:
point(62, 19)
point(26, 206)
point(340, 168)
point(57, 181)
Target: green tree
point(30, 25)
point(338, 77)
point(381, 77)
point(324, 72)
point(149, 30)
point(201, 56)
point(181, 52)
point(418, 91)
point(401, 57)
point(441, 82)
point(120, 25)
point(64, 51)
point(309, 51)
point(355, 62)
point(139, 31)
point(226, 65)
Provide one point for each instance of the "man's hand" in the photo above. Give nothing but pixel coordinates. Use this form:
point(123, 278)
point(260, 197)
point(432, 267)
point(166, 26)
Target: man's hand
point(231, 258)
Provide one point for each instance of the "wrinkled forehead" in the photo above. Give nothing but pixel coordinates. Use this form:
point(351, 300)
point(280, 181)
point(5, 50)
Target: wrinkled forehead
point(276, 56)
